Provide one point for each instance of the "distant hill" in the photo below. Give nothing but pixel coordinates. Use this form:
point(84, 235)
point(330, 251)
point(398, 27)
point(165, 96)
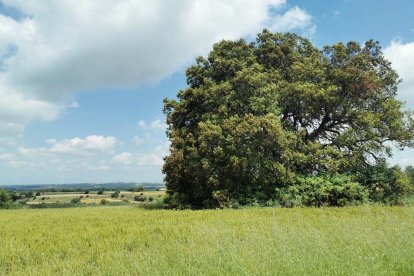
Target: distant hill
point(82, 186)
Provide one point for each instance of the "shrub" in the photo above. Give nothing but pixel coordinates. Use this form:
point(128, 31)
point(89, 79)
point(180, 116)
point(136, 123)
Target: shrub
point(386, 185)
point(75, 201)
point(140, 198)
point(15, 196)
point(5, 199)
point(320, 191)
point(115, 194)
point(104, 201)
point(100, 192)
point(176, 201)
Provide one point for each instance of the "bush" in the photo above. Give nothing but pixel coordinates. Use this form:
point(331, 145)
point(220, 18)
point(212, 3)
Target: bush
point(386, 185)
point(100, 192)
point(221, 199)
point(5, 199)
point(104, 201)
point(115, 194)
point(150, 199)
point(176, 201)
point(140, 198)
point(75, 201)
point(15, 196)
point(320, 191)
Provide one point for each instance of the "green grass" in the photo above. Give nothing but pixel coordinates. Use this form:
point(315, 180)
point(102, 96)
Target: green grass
point(258, 241)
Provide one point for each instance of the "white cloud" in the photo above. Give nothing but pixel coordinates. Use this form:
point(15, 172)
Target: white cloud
point(402, 58)
point(17, 163)
point(6, 156)
point(142, 124)
point(138, 141)
point(61, 48)
point(74, 105)
point(155, 157)
point(125, 158)
point(293, 19)
point(63, 168)
point(155, 124)
point(76, 146)
point(99, 166)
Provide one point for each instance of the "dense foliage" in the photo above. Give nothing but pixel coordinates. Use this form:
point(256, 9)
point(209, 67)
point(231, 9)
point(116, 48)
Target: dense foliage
point(4, 198)
point(280, 119)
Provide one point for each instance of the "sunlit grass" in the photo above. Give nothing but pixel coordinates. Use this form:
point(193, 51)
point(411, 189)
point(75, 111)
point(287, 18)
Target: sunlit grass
point(258, 241)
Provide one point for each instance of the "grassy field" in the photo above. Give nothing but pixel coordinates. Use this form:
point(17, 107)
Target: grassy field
point(257, 241)
point(93, 197)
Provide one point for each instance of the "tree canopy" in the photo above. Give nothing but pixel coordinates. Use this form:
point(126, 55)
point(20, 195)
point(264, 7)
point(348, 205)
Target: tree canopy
point(258, 119)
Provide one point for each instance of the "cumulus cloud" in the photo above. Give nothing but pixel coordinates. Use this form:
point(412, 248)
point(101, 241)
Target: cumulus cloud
point(294, 18)
point(74, 105)
point(57, 48)
point(155, 157)
point(138, 140)
point(141, 124)
point(402, 58)
point(76, 146)
point(125, 158)
point(99, 166)
point(155, 124)
point(6, 156)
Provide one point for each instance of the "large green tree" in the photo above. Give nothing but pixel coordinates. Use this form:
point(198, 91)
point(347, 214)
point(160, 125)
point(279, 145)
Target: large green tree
point(255, 116)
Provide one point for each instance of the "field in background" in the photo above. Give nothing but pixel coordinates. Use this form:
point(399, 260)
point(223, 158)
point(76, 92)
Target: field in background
point(94, 198)
point(255, 241)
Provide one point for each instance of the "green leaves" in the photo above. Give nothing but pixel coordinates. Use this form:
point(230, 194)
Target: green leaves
point(257, 116)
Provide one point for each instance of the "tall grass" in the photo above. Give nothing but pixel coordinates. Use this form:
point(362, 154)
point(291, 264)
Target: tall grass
point(258, 241)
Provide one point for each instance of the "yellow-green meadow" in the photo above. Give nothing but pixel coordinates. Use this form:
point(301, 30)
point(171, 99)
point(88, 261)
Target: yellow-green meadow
point(129, 240)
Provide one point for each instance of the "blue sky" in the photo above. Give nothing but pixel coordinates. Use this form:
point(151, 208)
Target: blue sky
point(81, 87)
